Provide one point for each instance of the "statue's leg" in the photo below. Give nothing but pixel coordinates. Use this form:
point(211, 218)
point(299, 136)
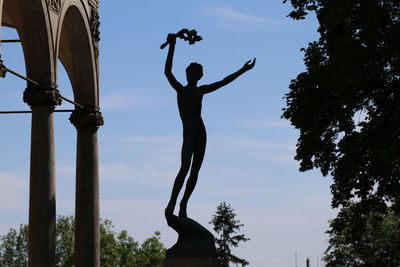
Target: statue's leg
point(198, 156)
point(186, 155)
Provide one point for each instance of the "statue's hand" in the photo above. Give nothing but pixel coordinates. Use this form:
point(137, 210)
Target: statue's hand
point(249, 65)
point(171, 38)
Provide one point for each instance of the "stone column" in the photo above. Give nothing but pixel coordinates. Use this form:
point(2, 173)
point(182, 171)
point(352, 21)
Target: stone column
point(87, 225)
point(42, 199)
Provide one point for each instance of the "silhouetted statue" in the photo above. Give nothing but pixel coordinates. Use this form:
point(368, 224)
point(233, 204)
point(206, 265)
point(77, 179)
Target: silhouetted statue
point(189, 104)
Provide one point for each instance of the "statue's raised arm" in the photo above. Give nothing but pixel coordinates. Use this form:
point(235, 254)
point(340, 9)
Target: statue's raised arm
point(189, 36)
point(214, 86)
point(171, 40)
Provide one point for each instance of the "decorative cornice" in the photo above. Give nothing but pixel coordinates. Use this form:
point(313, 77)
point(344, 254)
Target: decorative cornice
point(45, 94)
point(3, 69)
point(88, 118)
point(55, 5)
point(94, 3)
point(95, 24)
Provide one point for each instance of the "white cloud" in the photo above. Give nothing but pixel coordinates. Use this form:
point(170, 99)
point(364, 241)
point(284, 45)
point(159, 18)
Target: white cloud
point(14, 192)
point(155, 158)
point(147, 173)
point(165, 150)
point(66, 206)
point(65, 170)
point(228, 13)
point(120, 101)
point(131, 99)
point(234, 19)
point(150, 139)
point(226, 141)
point(254, 149)
point(270, 124)
point(252, 143)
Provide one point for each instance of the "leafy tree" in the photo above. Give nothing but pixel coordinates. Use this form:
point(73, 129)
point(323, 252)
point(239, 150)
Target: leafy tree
point(65, 231)
point(346, 106)
point(346, 103)
point(124, 246)
point(226, 226)
point(152, 252)
point(116, 249)
point(108, 244)
point(374, 241)
point(14, 247)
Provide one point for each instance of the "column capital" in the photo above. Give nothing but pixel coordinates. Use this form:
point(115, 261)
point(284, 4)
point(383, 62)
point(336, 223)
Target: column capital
point(45, 94)
point(86, 117)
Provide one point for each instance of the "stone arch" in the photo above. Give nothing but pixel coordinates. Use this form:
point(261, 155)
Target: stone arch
point(30, 19)
point(76, 51)
point(48, 30)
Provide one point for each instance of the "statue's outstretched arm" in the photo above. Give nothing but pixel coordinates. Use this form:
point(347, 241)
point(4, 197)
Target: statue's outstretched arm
point(168, 64)
point(214, 86)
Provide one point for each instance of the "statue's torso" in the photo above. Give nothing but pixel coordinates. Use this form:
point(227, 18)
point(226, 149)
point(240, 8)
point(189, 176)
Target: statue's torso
point(189, 104)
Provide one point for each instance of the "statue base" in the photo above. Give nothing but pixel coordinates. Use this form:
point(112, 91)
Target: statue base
point(192, 262)
point(194, 242)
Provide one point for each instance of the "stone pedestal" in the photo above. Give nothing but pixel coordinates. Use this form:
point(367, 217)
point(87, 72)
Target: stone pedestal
point(190, 262)
point(195, 246)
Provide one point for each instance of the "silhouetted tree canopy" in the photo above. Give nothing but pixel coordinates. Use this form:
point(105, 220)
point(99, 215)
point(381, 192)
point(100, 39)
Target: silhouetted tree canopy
point(347, 102)
point(227, 226)
point(116, 249)
point(373, 241)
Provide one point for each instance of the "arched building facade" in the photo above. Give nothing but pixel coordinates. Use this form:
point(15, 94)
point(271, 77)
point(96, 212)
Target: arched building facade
point(67, 30)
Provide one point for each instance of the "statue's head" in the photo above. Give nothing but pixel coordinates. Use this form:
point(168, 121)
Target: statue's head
point(194, 72)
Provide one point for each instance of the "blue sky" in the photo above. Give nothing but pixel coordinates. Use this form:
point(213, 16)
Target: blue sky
point(249, 159)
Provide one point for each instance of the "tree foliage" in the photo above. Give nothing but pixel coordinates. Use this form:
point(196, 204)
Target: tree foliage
point(347, 102)
point(372, 241)
point(151, 252)
point(120, 249)
point(116, 249)
point(14, 247)
point(227, 226)
point(65, 231)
